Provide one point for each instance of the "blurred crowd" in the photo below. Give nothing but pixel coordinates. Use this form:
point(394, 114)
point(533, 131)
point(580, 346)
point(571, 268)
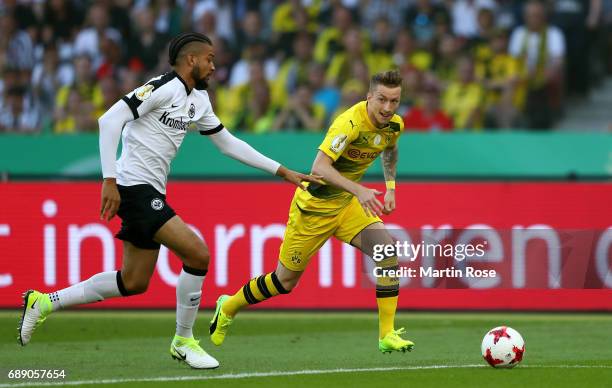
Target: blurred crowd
point(295, 65)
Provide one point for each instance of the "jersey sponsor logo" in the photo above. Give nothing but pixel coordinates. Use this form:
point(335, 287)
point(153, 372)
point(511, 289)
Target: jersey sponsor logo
point(157, 204)
point(353, 153)
point(338, 143)
point(174, 123)
point(356, 154)
point(191, 111)
point(144, 92)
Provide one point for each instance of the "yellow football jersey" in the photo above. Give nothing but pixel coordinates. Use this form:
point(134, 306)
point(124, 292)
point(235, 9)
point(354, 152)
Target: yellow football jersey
point(353, 142)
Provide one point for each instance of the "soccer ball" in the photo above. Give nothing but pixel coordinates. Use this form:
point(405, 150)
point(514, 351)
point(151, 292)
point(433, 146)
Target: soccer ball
point(503, 347)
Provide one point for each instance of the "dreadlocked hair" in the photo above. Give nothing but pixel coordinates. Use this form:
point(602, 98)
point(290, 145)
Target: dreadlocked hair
point(181, 40)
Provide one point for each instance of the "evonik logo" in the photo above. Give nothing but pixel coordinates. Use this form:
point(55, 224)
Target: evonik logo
point(356, 154)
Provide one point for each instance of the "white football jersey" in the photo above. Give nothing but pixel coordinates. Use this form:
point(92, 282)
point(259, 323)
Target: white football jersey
point(164, 110)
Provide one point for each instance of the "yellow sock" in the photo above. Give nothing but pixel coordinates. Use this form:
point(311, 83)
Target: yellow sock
point(256, 290)
point(387, 291)
point(386, 314)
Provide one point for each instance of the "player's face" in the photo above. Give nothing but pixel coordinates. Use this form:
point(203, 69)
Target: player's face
point(203, 67)
point(382, 104)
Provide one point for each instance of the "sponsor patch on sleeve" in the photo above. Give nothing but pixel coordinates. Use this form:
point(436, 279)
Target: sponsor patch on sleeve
point(144, 92)
point(338, 144)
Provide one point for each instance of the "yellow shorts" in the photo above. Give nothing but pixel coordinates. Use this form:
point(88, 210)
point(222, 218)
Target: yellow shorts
point(307, 232)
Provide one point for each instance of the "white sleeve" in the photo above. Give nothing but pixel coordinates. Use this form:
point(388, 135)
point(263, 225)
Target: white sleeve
point(556, 43)
point(237, 149)
point(209, 123)
point(111, 123)
point(516, 41)
point(148, 97)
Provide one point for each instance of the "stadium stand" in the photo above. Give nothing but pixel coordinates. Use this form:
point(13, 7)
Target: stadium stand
point(492, 64)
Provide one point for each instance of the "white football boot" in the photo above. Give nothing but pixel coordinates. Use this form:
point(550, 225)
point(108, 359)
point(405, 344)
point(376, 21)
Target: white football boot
point(188, 350)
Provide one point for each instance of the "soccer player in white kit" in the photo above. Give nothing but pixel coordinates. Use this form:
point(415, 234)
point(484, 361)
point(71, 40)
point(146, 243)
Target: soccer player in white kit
point(152, 121)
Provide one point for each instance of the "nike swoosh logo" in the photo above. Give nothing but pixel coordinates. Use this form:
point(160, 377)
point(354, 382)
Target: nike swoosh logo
point(213, 325)
point(174, 106)
point(194, 299)
point(34, 304)
point(181, 355)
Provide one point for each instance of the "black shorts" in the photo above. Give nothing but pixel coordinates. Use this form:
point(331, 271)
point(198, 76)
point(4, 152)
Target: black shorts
point(143, 210)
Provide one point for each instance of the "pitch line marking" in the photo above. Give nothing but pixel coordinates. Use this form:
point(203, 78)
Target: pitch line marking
point(31, 383)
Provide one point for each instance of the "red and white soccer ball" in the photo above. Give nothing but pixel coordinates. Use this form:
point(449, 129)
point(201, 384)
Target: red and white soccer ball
point(503, 347)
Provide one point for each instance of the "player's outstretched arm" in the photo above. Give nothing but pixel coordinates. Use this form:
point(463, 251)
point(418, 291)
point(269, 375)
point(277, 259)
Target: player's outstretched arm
point(389, 162)
point(323, 167)
point(111, 123)
point(238, 149)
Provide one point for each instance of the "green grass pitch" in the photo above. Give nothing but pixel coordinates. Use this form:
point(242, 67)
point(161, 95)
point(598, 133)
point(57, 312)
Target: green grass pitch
point(310, 349)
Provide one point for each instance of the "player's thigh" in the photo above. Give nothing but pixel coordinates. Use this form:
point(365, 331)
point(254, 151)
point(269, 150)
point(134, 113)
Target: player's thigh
point(138, 264)
point(371, 235)
point(359, 229)
point(304, 235)
point(180, 239)
point(143, 210)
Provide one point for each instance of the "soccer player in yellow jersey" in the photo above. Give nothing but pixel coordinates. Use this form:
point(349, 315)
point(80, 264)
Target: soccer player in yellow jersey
point(339, 206)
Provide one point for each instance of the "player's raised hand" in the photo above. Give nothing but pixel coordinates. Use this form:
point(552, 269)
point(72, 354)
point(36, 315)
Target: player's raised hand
point(110, 199)
point(297, 178)
point(389, 202)
point(370, 204)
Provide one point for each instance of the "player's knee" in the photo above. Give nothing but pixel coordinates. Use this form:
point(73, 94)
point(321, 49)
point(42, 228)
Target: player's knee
point(135, 286)
point(388, 262)
point(288, 283)
point(202, 259)
point(199, 260)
